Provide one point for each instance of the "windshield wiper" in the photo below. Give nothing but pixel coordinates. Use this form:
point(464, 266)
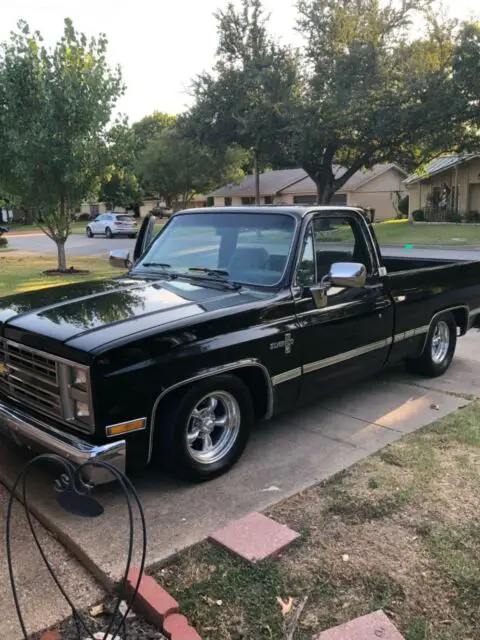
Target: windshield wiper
point(219, 274)
point(163, 265)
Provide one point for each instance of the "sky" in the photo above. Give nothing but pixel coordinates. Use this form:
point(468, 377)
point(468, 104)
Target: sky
point(160, 45)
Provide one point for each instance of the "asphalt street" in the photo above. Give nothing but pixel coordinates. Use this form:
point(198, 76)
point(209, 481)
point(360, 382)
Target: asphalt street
point(79, 245)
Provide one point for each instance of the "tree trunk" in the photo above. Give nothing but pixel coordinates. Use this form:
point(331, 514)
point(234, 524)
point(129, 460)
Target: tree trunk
point(62, 258)
point(257, 177)
point(136, 211)
point(325, 188)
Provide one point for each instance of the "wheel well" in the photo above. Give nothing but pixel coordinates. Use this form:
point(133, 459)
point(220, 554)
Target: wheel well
point(461, 319)
point(255, 380)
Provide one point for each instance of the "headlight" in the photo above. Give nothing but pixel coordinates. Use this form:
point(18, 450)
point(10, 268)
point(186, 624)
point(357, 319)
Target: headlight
point(79, 379)
point(82, 410)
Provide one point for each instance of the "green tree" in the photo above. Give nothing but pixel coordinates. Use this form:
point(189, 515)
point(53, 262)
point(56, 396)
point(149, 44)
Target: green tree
point(174, 166)
point(371, 94)
point(120, 186)
point(245, 100)
point(55, 105)
point(150, 127)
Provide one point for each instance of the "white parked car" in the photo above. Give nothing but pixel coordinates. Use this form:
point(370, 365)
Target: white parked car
point(112, 224)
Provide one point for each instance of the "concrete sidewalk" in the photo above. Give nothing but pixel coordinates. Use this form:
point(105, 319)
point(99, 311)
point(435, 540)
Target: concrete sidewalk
point(41, 603)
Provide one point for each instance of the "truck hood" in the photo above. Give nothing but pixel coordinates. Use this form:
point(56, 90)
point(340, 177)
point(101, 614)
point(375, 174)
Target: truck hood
point(87, 315)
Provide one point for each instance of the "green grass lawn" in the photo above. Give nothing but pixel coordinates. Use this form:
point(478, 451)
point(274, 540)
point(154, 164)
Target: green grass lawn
point(399, 531)
point(401, 233)
point(20, 273)
point(428, 234)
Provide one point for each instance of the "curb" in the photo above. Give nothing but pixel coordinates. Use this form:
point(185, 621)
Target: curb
point(158, 607)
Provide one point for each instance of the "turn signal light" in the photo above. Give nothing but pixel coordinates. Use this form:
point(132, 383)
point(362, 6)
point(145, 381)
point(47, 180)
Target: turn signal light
point(125, 427)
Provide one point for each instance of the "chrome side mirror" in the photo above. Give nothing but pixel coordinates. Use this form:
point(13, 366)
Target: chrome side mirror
point(351, 275)
point(120, 259)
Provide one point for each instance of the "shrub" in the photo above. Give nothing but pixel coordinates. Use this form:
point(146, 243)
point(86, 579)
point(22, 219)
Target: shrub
point(418, 215)
point(3, 242)
point(82, 217)
point(453, 217)
point(403, 206)
point(472, 216)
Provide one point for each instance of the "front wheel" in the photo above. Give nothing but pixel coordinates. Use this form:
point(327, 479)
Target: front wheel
point(439, 348)
point(203, 432)
point(89, 233)
point(108, 233)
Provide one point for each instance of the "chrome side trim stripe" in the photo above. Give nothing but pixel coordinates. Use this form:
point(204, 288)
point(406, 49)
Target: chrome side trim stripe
point(341, 357)
point(410, 333)
point(286, 376)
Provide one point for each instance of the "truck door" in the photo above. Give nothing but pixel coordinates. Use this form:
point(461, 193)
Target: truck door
point(345, 332)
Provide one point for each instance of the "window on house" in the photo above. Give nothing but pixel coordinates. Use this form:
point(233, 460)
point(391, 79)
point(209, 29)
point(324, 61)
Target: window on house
point(248, 200)
point(228, 202)
point(94, 209)
point(268, 199)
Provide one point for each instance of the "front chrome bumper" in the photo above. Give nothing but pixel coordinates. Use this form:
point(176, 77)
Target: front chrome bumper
point(40, 437)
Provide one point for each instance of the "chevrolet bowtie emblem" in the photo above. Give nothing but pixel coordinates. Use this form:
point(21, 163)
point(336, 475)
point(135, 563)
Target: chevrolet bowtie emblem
point(3, 369)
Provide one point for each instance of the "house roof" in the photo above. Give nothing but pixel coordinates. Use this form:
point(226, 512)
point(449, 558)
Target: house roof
point(297, 181)
point(438, 166)
point(307, 186)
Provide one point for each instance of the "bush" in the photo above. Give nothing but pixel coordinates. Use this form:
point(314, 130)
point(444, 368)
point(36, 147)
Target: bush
point(453, 217)
point(418, 215)
point(3, 242)
point(472, 216)
point(403, 206)
point(83, 217)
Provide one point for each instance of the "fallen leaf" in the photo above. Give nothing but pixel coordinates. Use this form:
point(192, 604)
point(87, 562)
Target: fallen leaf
point(212, 568)
point(435, 407)
point(286, 605)
point(345, 557)
point(219, 603)
point(209, 600)
point(97, 610)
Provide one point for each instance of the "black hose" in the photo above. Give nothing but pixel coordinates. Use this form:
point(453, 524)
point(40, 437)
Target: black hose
point(71, 479)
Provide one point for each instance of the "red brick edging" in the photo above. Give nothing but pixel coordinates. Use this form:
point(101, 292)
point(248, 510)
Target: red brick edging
point(158, 607)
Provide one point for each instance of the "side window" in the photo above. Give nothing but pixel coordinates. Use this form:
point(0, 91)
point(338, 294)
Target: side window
point(306, 267)
point(338, 239)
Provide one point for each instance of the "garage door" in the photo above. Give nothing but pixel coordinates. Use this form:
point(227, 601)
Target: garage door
point(337, 199)
point(474, 197)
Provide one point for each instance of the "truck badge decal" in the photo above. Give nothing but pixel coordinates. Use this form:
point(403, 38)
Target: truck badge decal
point(286, 344)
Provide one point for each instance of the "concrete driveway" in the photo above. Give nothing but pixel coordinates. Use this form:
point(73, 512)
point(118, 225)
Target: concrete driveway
point(285, 456)
point(40, 601)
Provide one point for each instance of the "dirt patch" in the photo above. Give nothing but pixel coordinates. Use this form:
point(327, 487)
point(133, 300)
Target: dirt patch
point(399, 531)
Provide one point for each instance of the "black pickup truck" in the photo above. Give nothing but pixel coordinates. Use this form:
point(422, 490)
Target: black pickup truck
point(227, 316)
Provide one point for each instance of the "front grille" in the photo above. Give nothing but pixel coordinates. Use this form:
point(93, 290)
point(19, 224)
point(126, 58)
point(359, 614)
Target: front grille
point(30, 377)
point(41, 381)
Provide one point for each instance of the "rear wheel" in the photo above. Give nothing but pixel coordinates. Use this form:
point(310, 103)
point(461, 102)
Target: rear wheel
point(108, 233)
point(89, 233)
point(439, 348)
point(203, 432)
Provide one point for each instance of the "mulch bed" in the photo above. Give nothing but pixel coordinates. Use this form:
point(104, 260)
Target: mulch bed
point(136, 628)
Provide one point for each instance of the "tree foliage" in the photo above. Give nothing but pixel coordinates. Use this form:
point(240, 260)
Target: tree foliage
point(245, 100)
point(173, 166)
point(361, 91)
point(55, 105)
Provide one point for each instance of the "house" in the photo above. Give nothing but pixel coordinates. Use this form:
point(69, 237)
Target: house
point(96, 208)
point(451, 183)
point(379, 188)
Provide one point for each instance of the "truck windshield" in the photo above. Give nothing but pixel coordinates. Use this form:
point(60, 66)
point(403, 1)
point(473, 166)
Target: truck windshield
point(246, 248)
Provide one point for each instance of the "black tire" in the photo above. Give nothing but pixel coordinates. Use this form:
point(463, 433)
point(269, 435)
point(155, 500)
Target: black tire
point(108, 233)
point(89, 233)
point(427, 364)
point(132, 235)
point(174, 421)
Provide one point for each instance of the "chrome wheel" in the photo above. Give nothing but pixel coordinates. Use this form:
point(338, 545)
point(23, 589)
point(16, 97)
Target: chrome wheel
point(440, 342)
point(213, 427)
